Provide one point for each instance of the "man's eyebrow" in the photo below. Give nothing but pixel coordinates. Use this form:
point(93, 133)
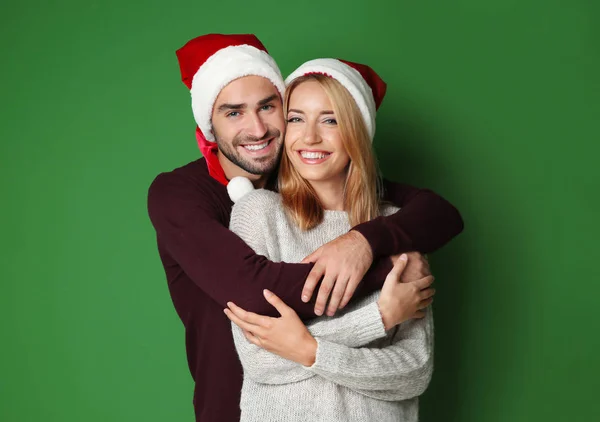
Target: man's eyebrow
point(225, 107)
point(267, 100)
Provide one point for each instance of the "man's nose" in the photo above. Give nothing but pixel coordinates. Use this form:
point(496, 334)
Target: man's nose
point(258, 128)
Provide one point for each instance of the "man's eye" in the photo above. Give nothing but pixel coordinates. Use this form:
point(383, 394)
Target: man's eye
point(266, 107)
point(233, 114)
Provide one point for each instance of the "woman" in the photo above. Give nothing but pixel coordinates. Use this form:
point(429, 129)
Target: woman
point(372, 361)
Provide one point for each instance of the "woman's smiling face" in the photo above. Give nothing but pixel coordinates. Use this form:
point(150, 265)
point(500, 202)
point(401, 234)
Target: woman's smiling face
point(313, 140)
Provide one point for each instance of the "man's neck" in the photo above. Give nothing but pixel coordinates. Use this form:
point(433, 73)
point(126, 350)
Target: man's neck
point(231, 170)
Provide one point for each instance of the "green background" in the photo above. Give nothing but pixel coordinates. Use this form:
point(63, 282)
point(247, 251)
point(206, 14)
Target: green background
point(494, 104)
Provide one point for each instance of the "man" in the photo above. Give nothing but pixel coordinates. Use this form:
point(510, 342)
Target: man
point(236, 91)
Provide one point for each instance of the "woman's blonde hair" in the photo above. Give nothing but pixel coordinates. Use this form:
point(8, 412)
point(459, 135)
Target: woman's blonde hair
point(361, 196)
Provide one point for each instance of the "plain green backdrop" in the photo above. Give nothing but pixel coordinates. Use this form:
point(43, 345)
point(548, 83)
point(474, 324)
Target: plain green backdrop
point(494, 104)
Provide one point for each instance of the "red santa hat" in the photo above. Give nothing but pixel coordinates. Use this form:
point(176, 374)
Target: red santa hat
point(210, 62)
point(363, 83)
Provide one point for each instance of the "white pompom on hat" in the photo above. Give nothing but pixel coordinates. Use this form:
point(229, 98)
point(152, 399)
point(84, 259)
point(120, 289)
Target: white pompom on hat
point(238, 187)
point(363, 83)
point(210, 62)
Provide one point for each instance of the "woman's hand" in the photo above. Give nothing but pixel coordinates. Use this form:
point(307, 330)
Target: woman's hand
point(286, 336)
point(417, 266)
point(399, 301)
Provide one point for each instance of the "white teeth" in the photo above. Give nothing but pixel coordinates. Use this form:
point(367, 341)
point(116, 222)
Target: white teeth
point(313, 155)
point(257, 147)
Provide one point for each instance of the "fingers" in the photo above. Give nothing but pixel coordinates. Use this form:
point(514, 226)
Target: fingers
point(425, 282)
point(249, 317)
point(393, 276)
point(311, 282)
point(279, 304)
point(252, 338)
point(425, 303)
point(427, 293)
point(336, 296)
point(326, 287)
point(242, 324)
point(349, 292)
point(313, 257)
point(399, 267)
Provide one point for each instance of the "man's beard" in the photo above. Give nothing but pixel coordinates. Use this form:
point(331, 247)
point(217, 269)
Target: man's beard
point(258, 166)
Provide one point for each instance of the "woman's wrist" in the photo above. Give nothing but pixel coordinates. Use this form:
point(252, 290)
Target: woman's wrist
point(309, 355)
point(384, 314)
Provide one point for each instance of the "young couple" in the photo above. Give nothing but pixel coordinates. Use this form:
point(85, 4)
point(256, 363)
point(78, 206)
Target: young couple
point(323, 223)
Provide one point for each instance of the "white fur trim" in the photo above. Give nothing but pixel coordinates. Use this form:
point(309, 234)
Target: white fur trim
point(220, 69)
point(238, 187)
point(350, 78)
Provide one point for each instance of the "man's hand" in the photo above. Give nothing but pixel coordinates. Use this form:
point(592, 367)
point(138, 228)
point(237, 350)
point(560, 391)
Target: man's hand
point(285, 336)
point(416, 268)
point(342, 263)
point(401, 301)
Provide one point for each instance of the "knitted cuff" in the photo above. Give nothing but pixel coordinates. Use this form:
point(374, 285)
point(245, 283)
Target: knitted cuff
point(369, 326)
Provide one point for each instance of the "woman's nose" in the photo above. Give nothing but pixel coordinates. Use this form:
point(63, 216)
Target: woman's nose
point(311, 136)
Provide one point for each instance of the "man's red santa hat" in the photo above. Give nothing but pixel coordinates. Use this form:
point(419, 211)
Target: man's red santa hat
point(210, 62)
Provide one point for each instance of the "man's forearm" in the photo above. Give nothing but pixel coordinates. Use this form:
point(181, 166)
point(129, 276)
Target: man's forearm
point(425, 223)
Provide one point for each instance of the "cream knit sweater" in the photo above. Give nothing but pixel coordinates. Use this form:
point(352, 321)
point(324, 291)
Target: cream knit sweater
point(361, 373)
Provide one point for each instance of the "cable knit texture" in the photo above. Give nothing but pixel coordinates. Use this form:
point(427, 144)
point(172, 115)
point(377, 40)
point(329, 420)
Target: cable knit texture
point(361, 373)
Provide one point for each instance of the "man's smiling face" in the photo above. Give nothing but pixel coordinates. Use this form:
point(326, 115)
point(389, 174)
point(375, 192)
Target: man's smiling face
point(248, 124)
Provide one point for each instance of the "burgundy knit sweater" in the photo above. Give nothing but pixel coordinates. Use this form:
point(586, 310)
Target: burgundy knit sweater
point(207, 265)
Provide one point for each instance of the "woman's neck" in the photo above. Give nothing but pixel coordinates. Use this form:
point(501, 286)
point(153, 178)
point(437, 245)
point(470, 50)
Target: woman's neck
point(330, 193)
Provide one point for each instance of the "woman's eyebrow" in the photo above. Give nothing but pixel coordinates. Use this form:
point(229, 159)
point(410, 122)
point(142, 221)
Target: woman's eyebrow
point(293, 110)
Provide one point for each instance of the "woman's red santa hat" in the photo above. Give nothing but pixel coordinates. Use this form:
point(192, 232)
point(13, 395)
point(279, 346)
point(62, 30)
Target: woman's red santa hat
point(363, 83)
point(210, 62)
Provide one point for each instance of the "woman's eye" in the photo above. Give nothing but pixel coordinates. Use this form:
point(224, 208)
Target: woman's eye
point(331, 121)
point(293, 120)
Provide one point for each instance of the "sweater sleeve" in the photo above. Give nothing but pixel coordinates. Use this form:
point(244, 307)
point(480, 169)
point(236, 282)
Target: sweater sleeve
point(425, 223)
point(356, 326)
point(399, 371)
point(252, 218)
point(193, 230)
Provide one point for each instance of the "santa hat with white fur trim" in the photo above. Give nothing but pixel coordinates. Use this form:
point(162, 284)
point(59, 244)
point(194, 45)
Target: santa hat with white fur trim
point(210, 62)
point(363, 83)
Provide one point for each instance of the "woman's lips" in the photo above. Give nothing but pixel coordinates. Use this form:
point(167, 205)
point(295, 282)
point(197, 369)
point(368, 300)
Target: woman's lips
point(313, 156)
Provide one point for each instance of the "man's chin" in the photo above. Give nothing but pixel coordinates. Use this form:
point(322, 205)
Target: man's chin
point(258, 165)
point(259, 168)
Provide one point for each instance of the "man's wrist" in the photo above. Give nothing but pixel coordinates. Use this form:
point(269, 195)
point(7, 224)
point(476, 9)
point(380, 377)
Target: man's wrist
point(362, 242)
